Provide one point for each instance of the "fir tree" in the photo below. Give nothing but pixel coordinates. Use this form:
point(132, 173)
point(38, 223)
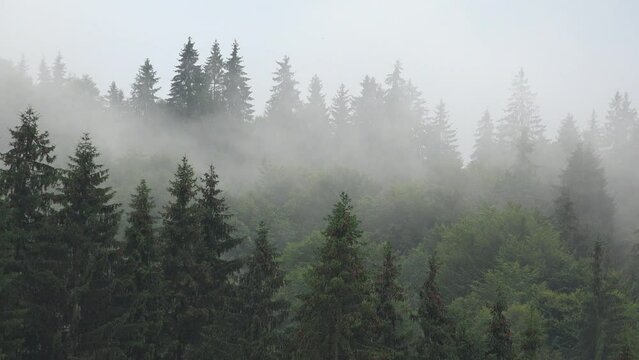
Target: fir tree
point(58, 71)
point(500, 344)
point(340, 110)
point(316, 111)
point(144, 89)
point(214, 73)
point(115, 96)
point(485, 148)
point(237, 92)
point(521, 114)
point(285, 98)
point(568, 137)
point(388, 294)
point(180, 233)
point(593, 136)
point(567, 223)
point(138, 288)
point(90, 222)
point(621, 121)
point(368, 106)
point(261, 312)
point(44, 74)
point(187, 96)
point(335, 315)
point(32, 298)
point(437, 329)
point(438, 144)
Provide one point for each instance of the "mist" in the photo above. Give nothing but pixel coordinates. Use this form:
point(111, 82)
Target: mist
point(492, 145)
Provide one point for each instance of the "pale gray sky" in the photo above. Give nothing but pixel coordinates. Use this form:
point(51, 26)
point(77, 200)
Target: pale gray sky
point(575, 53)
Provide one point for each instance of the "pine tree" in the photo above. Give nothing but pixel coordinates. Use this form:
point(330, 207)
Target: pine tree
point(500, 344)
point(316, 111)
point(584, 182)
point(32, 298)
point(593, 136)
point(485, 147)
point(340, 110)
point(90, 221)
point(44, 74)
point(335, 315)
point(521, 114)
point(214, 73)
point(115, 96)
point(138, 286)
point(261, 312)
point(368, 106)
point(388, 294)
point(144, 89)
point(187, 96)
point(285, 98)
point(568, 137)
point(438, 144)
point(621, 121)
point(437, 329)
point(237, 92)
point(567, 223)
point(58, 71)
point(180, 234)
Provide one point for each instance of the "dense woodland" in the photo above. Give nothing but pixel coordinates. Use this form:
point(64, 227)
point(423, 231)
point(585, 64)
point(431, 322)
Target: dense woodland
point(349, 227)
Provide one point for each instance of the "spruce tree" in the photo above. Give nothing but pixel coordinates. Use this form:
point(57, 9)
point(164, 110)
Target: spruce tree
point(261, 311)
point(237, 92)
point(315, 109)
point(44, 74)
point(336, 315)
point(144, 89)
point(621, 121)
point(500, 343)
point(90, 221)
point(567, 223)
point(438, 145)
point(34, 264)
point(485, 148)
point(368, 106)
point(568, 137)
point(58, 71)
point(340, 110)
point(187, 96)
point(593, 135)
point(285, 101)
point(138, 286)
point(388, 294)
point(214, 73)
point(437, 329)
point(115, 96)
point(521, 114)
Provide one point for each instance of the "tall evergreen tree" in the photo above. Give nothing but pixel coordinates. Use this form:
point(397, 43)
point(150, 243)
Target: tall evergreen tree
point(437, 329)
point(214, 73)
point(368, 106)
point(115, 96)
point(187, 96)
point(44, 73)
point(285, 98)
point(138, 288)
point(500, 343)
point(144, 89)
point(32, 296)
point(316, 111)
point(621, 121)
point(438, 144)
point(567, 223)
point(593, 135)
point(261, 312)
point(485, 147)
point(335, 315)
point(58, 71)
point(237, 92)
point(340, 110)
point(90, 221)
point(568, 137)
point(521, 114)
point(388, 294)
point(180, 233)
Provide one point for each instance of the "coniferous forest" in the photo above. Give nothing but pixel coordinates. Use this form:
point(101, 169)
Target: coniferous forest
point(328, 226)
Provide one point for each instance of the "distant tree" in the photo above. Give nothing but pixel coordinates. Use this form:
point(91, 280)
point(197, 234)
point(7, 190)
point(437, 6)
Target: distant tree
point(568, 224)
point(44, 74)
point(438, 145)
point(621, 121)
point(437, 328)
point(115, 96)
point(485, 142)
point(261, 311)
point(144, 89)
point(285, 98)
point(138, 286)
point(236, 91)
point(32, 293)
point(335, 315)
point(214, 73)
point(340, 110)
point(187, 96)
point(388, 294)
point(84, 87)
point(593, 135)
point(568, 137)
point(315, 109)
point(184, 318)
point(500, 344)
point(368, 106)
point(58, 71)
point(89, 219)
point(521, 114)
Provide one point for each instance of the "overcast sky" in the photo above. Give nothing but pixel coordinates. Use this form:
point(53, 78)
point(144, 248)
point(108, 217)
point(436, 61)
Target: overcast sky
point(576, 53)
